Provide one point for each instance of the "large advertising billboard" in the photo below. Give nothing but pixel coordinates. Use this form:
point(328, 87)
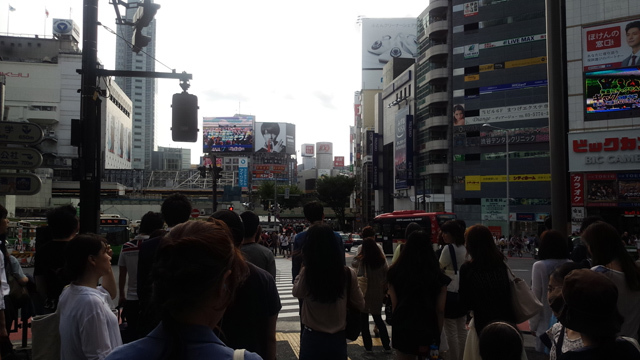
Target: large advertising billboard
point(403, 160)
point(612, 45)
point(612, 94)
point(325, 148)
point(382, 40)
point(276, 138)
point(308, 150)
point(228, 134)
point(616, 150)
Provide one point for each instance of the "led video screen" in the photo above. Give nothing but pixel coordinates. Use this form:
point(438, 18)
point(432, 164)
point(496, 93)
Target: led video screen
point(612, 94)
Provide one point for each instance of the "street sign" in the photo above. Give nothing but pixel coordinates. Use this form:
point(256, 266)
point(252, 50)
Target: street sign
point(195, 213)
point(25, 133)
point(19, 158)
point(19, 184)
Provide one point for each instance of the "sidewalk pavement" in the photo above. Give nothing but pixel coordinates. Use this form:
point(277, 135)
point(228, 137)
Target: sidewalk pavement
point(288, 347)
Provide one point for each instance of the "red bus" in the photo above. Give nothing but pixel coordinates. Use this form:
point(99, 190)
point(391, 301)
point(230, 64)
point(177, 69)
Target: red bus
point(390, 227)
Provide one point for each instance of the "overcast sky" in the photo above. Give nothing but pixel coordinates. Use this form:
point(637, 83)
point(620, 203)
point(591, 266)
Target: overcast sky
point(282, 61)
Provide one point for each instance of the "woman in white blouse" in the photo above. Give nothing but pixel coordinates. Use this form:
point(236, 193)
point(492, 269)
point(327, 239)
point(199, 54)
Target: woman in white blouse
point(88, 327)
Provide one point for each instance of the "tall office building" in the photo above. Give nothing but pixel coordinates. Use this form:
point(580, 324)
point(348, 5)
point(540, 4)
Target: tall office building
point(141, 91)
point(433, 82)
point(498, 113)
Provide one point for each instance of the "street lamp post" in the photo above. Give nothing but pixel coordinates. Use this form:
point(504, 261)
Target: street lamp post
point(506, 134)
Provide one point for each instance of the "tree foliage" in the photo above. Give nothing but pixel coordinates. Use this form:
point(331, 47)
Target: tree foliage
point(265, 193)
point(335, 191)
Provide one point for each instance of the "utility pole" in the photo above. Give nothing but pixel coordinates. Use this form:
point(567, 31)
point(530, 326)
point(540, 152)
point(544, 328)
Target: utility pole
point(91, 147)
point(214, 179)
point(90, 150)
point(558, 127)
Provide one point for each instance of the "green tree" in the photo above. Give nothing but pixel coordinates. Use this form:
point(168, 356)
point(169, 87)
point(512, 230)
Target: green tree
point(334, 191)
point(265, 193)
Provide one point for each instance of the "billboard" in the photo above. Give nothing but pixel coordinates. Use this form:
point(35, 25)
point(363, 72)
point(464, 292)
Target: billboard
point(307, 150)
point(116, 130)
point(458, 115)
point(291, 138)
point(228, 134)
point(277, 138)
point(325, 148)
point(611, 46)
point(615, 150)
point(243, 173)
point(382, 40)
point(338, 161)
point(403, 159)
point(612, 94)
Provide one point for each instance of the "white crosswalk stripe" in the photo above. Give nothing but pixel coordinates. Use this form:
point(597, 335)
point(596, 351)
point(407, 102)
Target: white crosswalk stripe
point(284, 285)
point(289, 303)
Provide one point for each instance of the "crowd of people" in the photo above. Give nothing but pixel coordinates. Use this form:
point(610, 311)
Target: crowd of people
point(279, 242)
point(206, 289)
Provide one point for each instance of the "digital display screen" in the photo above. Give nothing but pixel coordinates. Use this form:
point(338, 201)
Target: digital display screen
point(612, 94)
point(228, 134)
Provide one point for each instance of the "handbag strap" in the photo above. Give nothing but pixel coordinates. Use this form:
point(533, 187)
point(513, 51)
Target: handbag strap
point(510, 272)
point(454, 260)
point(362, 269)
point(560, 342)
point(348, 290)
point(238, 354)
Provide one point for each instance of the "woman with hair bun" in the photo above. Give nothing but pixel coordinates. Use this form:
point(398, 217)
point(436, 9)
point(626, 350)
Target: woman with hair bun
point(88, 327)
point(195, 274)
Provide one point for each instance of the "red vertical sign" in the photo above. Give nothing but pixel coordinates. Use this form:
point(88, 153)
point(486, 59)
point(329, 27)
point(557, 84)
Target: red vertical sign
point(577, 190)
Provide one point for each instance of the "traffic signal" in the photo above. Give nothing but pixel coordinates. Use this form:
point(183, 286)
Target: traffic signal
point(203, 171)
point(141, 19)
point(184, 117)
point(217, 172)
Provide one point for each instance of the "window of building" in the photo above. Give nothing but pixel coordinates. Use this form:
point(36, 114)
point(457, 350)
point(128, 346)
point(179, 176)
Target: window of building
point(42, 108)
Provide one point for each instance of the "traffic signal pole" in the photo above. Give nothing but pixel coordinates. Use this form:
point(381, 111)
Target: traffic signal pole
point(90, 150)
point(91, 147)
point(214, 186)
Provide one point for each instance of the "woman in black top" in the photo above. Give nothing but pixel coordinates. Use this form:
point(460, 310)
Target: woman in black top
point(484, 282)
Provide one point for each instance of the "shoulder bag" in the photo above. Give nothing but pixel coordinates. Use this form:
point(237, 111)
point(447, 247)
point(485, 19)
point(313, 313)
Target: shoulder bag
point(45, 332)
point(352, 330)
point(363, 282)
point(388, 310)
point(238, 354)
point(524, 303)
point(18, 293)
point(453, 307)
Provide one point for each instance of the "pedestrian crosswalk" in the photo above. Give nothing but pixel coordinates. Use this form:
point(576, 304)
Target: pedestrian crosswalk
point(289, 303)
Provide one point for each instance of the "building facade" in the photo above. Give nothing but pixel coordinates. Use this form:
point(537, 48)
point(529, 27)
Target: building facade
point(141, 91)
point(604, 111)
point(41, 87)
point(498, 111)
